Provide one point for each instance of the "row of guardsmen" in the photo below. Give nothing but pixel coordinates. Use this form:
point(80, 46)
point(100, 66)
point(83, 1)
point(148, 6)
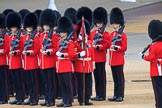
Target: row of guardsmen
point(63, 55)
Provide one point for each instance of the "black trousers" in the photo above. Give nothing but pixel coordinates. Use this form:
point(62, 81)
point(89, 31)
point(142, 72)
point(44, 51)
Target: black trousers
point(84, 83)
point(41, 82)
point(100, 79)
point(74, 84)
point(26, 81)
point(18, 83)
point(58, 88)
point(3, 84)
point(50, 86)
point(66, 87)
point(11, 88)
point(119, 80)
point(33, 84)
point(157, 87)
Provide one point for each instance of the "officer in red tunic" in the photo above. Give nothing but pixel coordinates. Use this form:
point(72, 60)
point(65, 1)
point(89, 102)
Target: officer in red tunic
point(64, 66)
point(3, 63)
point(84, 63)
point(14, 49)
point(100, 39)
point(30, 54)
point(116, 57)
point(155, 58)
point(22, 13)
point(48, 44)
point(71, 13)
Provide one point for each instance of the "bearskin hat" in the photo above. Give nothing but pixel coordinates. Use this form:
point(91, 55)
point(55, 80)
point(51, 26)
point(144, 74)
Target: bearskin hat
point(87, 27)
point(154, 29)
point(116, 16)
point(71, 13)
point(48, 17)
point(2, 20)
point(65, 25)
point(100, 15)
point(13, 20)
point(30, 20)
point(38, 12)
point(86, 12)
point(23, 12)
point(58, 16)
point(7, 11)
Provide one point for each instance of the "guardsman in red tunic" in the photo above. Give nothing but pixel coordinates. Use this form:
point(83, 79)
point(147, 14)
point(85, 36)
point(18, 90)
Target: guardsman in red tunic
point(100, 39)
point(84, 63)
point(71, 13)
point(14, 48)
point(118, 46)
point(3, 63)
point(48, 44)
point(58, 89)
point(85, 12)
point(41, 89)
point(30, 56)
point(64, 65)
point(10, 82)
point(155, 58)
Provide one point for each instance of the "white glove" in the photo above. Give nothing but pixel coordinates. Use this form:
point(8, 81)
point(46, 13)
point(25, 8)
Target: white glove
point(141, 55)
point(82, 53)
point(58, 53)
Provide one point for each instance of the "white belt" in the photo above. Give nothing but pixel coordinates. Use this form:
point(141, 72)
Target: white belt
point(86, 59)
point(61, 58)
point(159, 67)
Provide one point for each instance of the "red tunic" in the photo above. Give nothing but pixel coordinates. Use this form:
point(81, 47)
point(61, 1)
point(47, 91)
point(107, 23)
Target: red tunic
point(155, 53)
point(87, 60)
point(64, 65)
point(100, 55)
point(31, 61)
point(45, 60)
point(117, 57)
point(15, 61)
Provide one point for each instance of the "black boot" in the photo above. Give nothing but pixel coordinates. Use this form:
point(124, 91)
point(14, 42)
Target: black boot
point(60, 105)
point(112, 99)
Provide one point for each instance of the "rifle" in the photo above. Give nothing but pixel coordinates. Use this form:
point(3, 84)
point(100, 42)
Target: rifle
point(146, 48)
point(118, 38)
point(29, 43)
point(65, 42)
point(2, 37)
point(98, 37)
point(47, 41)
point(15, 43)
